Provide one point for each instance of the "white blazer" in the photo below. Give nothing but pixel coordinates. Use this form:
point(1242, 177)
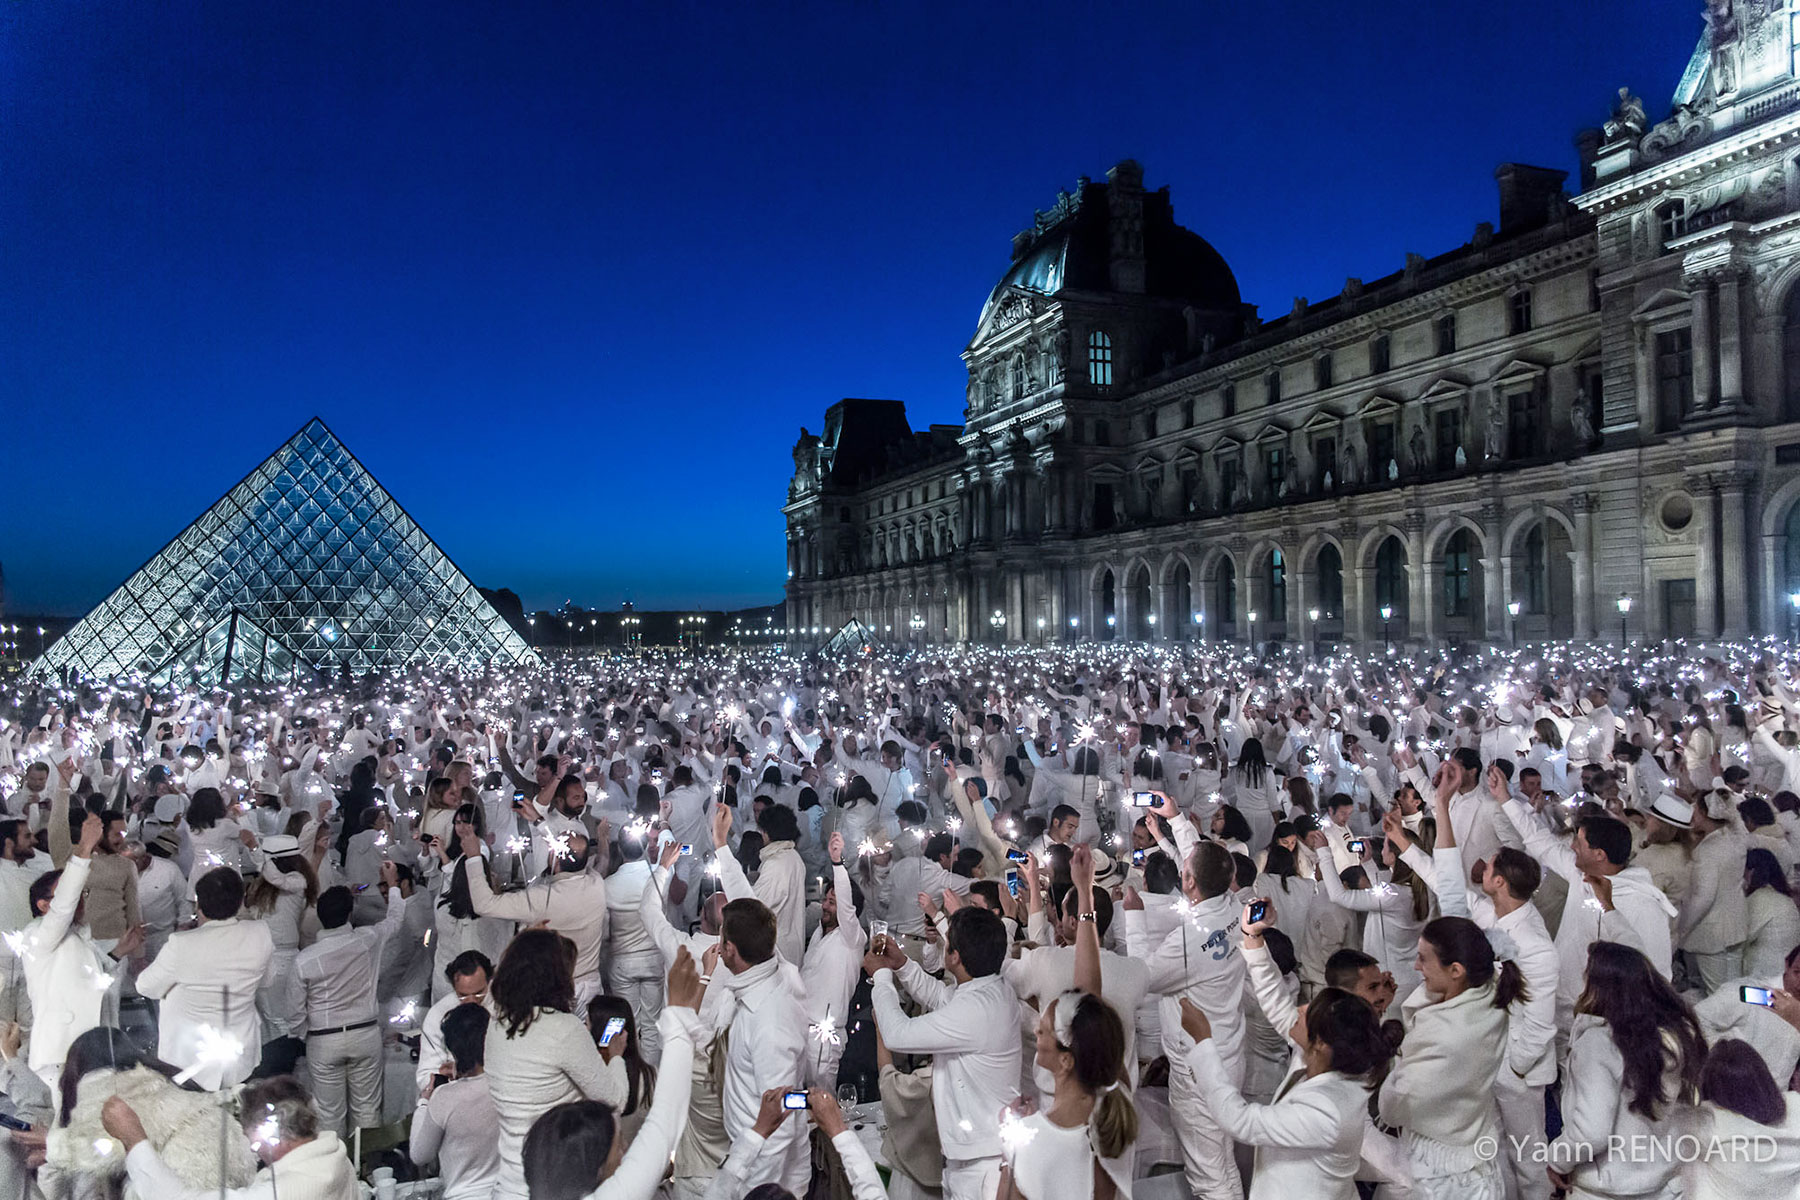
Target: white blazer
point(1308, 1142)
point(207, 979)
point(65, 973)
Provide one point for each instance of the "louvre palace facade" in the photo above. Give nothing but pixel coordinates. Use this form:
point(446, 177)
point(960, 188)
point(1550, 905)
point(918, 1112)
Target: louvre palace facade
point(1592, 405)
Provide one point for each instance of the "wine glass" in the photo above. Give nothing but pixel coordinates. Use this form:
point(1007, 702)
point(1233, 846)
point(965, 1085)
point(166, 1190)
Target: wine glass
point(849, 1099)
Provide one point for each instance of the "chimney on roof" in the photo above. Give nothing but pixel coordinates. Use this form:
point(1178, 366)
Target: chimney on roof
point(1525, 194)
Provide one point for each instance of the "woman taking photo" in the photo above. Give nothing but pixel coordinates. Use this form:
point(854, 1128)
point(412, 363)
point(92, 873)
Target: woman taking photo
point(1440, 1094)
point(1396, 911)
point(1635, 1053)
point(1309, 1141)
point(538, 1052)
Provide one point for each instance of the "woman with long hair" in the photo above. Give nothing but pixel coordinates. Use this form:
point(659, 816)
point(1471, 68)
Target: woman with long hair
point(1309, 1141)
point(620, 1041)
point(1252, 788)
point(538, 1052)
point(1231, 828)
point(573, 1151)
point(1635, 1054)
point(1774, 917)
point(456, 925)
point(215, 837)
point(1281, 880)
point(1394, 912)
point(1440, 1094)
point(1548, 756)
point(1741, 1105)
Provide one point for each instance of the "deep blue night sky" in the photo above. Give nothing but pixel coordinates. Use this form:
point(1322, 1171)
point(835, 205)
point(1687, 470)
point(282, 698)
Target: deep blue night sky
point(570, 277)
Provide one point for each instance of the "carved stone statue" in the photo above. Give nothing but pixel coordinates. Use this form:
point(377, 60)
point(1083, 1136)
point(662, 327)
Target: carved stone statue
point(1350, 462)
point(1581, 419)
point(1629, 119)
point(1496, 431)
point(1416, 445)
point(1290, 486)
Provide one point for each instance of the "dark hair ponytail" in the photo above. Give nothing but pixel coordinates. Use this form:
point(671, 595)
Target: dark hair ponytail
point(1097, 1045)
point(1460, 940)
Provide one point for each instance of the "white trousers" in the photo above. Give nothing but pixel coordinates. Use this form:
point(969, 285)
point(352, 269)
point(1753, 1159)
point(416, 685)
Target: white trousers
point(1522, 1131)
point(1206, 1149)
point(1717, 969)
point(346, 1077)
point(637, 979)
point(971, 1178)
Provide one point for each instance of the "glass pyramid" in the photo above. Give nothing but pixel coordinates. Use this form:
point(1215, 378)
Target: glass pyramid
point(305, 566)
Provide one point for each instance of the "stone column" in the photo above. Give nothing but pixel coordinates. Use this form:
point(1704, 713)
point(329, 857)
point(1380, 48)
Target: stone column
point(1705, 386)
point(1706, 568)
point(1167, 629)
point(1300, 601)
point(1733, 554)
point(1494, 593)
point(1731, 340)
point(1421, 618)
point(1359, 600)
point(1245, 602)
point(1581, 565)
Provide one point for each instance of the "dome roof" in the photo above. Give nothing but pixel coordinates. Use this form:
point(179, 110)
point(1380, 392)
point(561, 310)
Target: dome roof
point(1074, 250)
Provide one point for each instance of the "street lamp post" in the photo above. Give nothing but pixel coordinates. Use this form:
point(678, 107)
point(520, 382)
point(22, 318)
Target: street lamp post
point(1199, 627)
point(1312, 614)
point(532, 623)
point(1252, 615)
point(917, 625)
point(998, 623)
point(1112, 623)
point(1387, 615)
point(1040, 623)
point(1624, 617)
point(1152, 617)
point(1074, 629)
point(1512, 610)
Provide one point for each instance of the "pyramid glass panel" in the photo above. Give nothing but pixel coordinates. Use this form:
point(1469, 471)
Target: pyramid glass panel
point(256, 588)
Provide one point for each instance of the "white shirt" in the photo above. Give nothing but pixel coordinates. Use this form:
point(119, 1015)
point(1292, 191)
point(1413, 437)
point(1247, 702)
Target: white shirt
point(1049, 971)
point(15, 890)
point(163, 900)
point(65, 973)
point(553, 1061)
point(625, 932)
point(768, 1037)
point(457, 1125)
point(971, 1030)
point(1200, 960)
point(334, 978)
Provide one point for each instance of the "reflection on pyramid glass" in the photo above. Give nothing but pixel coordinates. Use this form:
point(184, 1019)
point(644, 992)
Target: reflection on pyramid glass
point(306, 565)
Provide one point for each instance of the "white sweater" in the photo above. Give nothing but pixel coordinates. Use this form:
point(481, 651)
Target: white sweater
point(1440, 1092)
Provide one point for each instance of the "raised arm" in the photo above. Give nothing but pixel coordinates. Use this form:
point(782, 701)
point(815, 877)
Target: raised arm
point(1087, 929)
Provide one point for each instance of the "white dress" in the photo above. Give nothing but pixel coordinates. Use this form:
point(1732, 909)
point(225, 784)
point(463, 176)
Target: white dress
point(1050, 1162)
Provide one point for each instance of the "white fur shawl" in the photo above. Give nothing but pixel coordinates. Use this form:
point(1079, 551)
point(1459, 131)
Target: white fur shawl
point(182, 1127)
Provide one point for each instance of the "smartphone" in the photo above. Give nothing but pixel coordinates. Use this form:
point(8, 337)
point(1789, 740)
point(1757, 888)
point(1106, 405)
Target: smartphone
point(1137, 858)
point(687, 847)
point(1757, 995)
point(1358, 846)
point(794, 1101)
point(1014, 854)
point(1143, 799)
point(878, 932)
point(519, 799)
point(438, 1080)
point(7, 1122)
point(1012, 884)
point(1259, 909)
point(614, 1027)
point(656, 775)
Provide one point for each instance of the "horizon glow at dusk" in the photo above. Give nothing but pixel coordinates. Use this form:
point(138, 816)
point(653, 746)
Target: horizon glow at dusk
point(569, 281)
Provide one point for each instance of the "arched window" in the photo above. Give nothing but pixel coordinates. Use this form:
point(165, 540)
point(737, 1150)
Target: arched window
point(1390, 577)
point(1536, 571)
point(1456, 574)
point(1100, 359)
point(1225, 602)
point(1277, 587)
point(1331, 581)
point(1109, 607)
point(1018, 376)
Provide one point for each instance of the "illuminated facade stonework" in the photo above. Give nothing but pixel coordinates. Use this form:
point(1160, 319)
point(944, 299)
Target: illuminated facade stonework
point(1597, 399)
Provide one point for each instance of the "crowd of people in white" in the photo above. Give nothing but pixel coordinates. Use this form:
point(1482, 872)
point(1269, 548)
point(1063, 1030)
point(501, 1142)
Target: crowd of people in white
point(1036, 924)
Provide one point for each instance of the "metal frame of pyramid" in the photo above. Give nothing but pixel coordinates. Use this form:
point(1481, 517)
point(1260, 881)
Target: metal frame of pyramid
point(306, 565)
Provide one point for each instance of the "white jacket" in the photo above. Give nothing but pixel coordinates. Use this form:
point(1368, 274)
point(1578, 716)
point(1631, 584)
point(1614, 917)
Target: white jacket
point(1596, 1110)
point(207, 979)
point(66, 974)
point(1440, 1092)
point(317, 1170)
point(1751, 1159)
point(1308, 1142)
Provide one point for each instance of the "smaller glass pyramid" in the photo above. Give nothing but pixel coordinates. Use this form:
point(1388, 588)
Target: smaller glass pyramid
point(306, 565)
